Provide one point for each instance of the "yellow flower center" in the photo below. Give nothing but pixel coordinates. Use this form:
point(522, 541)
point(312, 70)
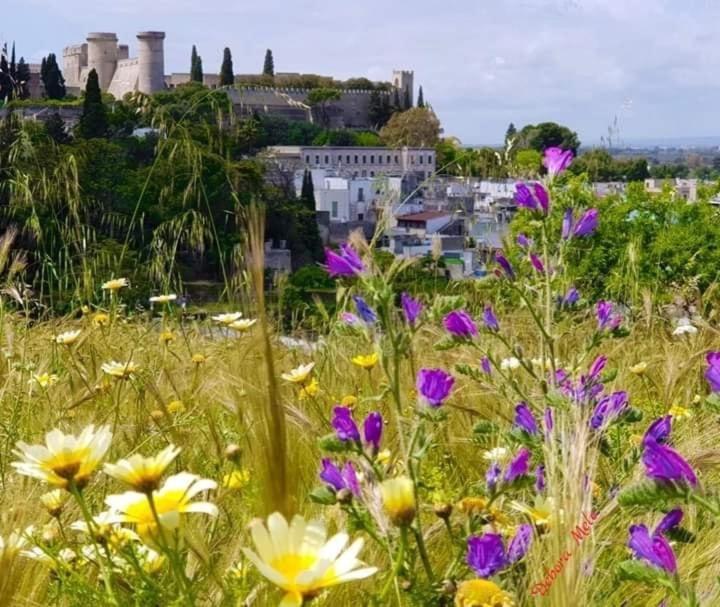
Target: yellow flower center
point(481, 593)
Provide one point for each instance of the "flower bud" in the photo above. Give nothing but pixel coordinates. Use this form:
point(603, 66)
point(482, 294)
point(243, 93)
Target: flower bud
point(443, 511)
point(448, 587)
point(157, 414)
point(344, 496)
point(233, 452)
point(398, 498)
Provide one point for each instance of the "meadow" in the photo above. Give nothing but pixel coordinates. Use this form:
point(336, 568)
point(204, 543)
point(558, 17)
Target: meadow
point(514, 445)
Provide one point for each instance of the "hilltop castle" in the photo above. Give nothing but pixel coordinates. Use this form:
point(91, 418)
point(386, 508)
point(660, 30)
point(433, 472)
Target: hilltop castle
point(119, 74)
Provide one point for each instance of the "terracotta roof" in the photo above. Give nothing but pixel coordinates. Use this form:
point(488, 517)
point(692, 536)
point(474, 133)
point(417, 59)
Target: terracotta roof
point(424, 216)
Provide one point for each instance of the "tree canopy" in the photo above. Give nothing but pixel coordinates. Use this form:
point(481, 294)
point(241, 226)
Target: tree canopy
point(416, 127)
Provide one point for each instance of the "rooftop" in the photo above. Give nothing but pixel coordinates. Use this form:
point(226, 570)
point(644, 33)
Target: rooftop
point(424, 216)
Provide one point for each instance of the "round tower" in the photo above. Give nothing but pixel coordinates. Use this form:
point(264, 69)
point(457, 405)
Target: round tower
point(151, 62)
point(102, 56)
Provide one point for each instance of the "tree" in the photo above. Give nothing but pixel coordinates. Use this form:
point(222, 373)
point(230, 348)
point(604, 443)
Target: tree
point(269, 65)
point(407, 103)
point(22, 78)
point(421, 99)
point(93, 122)
point(396, 107)
point(379, 110)
point(528, 163)
point(307, 193)
point(52, 78)
point(510, 133)
point(196, 68)
point(227, 77)
point(321, 98)
point(416, 127)
point(55, 128)
point(548, 134)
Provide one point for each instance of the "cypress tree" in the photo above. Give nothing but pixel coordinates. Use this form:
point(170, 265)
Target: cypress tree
point(407, 104)
point(227, 77)
point(93, 122)
point(22, 78)
point(396, 102)
point(6, 83)
point(510, 133)
point(196, 71)
point(421, 98)
point(269, 65)
point(13, 66)
point(52, 78)
point(307, 193)
point(55, 128)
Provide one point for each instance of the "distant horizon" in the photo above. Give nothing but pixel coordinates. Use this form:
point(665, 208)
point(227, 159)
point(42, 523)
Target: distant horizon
point(683, 141)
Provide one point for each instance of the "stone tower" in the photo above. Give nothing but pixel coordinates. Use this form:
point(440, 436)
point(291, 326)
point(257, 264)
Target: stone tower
point(102, 52)
point(151, 62)
point(402, 80)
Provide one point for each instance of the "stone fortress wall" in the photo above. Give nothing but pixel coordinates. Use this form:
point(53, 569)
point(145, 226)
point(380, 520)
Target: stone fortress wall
point(118, 74)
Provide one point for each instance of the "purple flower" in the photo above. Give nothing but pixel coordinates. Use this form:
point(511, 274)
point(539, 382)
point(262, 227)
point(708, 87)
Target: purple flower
point(520, 544)
point(485, 365)
point(659, 431)
point(505, 265)
point(653, 550)
point(669, 521)
point(490, 320)
point(524, 419)
point(665, 465)
point(364, 311)
point(351, 319)
point(537, 263)
point(331, 475)
point(524, 197)
point(460, 324)
point(345, 263)
point(712, 373)
point(492, 476)
point(541, 195)
point(345, 479)
point(373, 429)
point(607, 318)
point(571, 297)
point(519, 466)
point(345, 427)
point(608, 409)
point(556, 160)
point(540, 479)
point(548, 418)
point(486, 554)
point(434, 386)
point(587, 224)
point(524, 241)
point(596, 368)
point(412, 308)
point(567, 224)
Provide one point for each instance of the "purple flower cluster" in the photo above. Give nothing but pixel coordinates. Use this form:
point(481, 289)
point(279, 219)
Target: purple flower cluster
point(434, 386)
point(608, 409)
point(588, 388)
point(655, 549)
point(663, 464)
point(505, 265)
point(534, 197)
point(365, 312)
point(345, 263)
point(489, 318)
point(608, 318)
point(525, 420)
point(412, 309)
point(556, 160)
point(712, 373)
point(486, 554)
point(339, 479)
point(518, 466)
point(585, 225)
point(347, 430)
point(460, 324)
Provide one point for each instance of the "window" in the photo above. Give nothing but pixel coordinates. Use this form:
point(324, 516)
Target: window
point(334, 211)
point(379, 159)
point(421, 159)
point(327, 159)
point(372, 159)
point(361, 216)
point(364, 173)
point(307, 159)
point(388, 159)
point(348, 159)
point(356, 159)
point(396, 159)
point(361, 194)
point(317, 159)
point(364, 159)
point(372, 173)
point(430, 159)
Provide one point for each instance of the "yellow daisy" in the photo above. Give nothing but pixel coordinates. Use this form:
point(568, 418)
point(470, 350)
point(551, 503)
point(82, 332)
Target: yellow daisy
point(44, 380)
point(237, 479)
point(481, 593)
point(679, 412)
point(100, 319)
point(143, 473)
point(366, 361)
point(398, 499)
point(299, 374)
point(309, 390)
point(639, 369)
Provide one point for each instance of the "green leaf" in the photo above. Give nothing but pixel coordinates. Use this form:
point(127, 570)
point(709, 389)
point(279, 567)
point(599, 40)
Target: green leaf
point(333, 444)
point(323, 495)
point(640, 572)
point(447, 343)
point(485, 427)
point(680, 534)
point(652, 494)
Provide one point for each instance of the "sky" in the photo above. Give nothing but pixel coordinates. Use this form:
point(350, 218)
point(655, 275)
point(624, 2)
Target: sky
point(642, 68)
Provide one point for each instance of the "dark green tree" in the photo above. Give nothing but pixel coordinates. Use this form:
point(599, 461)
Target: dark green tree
point(379, 110)
point(269, 65)
point(52, 78)
point(22, 78)
point(55, 129)
point(196, 69)
point(396, 107)
point(548, 134)
point(421, 98)
point(93, 122)
point(227, 76)
point(407, 103)
point(307, 192)
point(510, 133)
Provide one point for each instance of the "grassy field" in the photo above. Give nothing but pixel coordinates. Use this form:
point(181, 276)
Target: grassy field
point(215, 392)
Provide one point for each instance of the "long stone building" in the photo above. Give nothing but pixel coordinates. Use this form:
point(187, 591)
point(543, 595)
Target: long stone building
point(120, 74)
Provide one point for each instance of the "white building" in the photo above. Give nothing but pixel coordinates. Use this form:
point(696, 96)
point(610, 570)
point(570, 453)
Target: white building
point(344, 199)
